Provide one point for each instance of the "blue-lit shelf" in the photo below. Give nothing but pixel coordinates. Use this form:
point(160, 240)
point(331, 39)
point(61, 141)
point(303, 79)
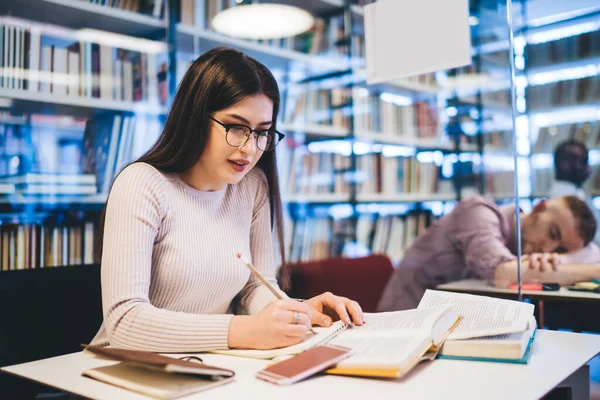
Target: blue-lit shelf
point(314, 130)
point(77, 14)
point(404, 197)
point(26, 101)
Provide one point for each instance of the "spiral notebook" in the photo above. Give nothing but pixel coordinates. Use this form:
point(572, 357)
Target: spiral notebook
point(323, 335)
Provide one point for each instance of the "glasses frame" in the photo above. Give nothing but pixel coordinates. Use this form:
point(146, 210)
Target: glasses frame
point(251, 131)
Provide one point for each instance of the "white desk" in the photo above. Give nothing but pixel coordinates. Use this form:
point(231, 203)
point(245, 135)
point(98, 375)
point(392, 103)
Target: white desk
point(476, 286)
point(556, 356)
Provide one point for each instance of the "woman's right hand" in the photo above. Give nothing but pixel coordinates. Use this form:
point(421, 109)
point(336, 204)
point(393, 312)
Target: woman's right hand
point(273, 327)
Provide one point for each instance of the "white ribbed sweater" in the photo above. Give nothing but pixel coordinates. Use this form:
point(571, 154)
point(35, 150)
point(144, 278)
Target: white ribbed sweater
point(169, 266)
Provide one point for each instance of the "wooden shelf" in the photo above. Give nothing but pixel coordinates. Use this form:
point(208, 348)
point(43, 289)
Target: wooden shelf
point(26, 101)
point(77, 14)
point(317, 198)
point(271, 56)
point(392, 138)
point(404, 197)
point(562, 65)
point(566, 108)
point(18, 203)
point(314, 130)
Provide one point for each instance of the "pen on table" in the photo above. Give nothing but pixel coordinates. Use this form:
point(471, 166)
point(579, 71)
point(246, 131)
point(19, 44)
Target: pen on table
point(263, 280)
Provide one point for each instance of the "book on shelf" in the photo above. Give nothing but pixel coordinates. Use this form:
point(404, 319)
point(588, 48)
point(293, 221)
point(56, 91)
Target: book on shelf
point(564, 93)
point(311, 173)
point(323, 37)
point(308, 104)
point(393, 175)
point(110, 143)
point(7, 188)
point(375, 113)
point(577, 47)
point(154, 8)
point(37, 59)
point(42, 245)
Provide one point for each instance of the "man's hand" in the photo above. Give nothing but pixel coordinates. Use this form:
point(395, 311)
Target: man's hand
point(542, 261)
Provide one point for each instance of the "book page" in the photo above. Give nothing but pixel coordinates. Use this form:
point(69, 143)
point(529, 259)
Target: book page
point(391, 352)
point(390, 339)
point(409, 322)
point(482, 316)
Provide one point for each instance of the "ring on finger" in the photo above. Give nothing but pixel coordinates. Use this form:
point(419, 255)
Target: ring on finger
point(296, 318)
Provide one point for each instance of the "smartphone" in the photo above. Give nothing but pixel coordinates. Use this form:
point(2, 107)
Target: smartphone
point(550, 286)
point(303, 365)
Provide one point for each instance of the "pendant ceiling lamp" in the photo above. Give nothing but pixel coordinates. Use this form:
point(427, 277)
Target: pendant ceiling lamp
point(262, 21)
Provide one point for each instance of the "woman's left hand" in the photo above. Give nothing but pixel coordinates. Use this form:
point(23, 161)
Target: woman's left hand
point(327, 307)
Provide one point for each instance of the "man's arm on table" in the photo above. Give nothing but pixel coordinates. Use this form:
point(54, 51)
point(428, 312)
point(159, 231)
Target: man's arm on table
point(565, 274)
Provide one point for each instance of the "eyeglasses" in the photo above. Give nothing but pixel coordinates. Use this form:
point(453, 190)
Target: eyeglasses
point(237, 135)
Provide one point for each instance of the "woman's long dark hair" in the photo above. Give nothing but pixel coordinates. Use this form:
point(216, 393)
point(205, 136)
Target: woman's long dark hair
point(218, 79)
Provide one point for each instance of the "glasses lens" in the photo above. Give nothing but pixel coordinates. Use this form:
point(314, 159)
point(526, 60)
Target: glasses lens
point(268, 141)
point(236, 135)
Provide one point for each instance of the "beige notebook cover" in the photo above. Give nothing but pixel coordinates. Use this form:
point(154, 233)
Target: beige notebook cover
point(157, 384)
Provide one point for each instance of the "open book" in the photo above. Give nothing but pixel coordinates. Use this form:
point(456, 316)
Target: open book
point(490, 330)
point(389, 345)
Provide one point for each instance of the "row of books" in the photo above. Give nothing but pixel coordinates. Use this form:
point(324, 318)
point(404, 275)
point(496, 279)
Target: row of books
point(111, 143)
point(392, 175)
point(574, 91)
point(316, 238)
point(491, 99)
point(38, 62)
point(79, 158)
point(319, 106)
point(154, 8)
point(391, 234)
point(377, 114)
point(550, 137)
point(543, 178)
point(30, 246)
point(326, 35)
point(499, 141)
point(309, 173)
point(499, 182)
point(567, 49)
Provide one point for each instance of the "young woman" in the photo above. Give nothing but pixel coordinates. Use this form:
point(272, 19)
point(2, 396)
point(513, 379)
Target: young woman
point(176, 218)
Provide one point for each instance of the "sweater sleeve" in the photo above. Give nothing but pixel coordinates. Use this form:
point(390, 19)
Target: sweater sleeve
point(134, 212)
point(255, 296)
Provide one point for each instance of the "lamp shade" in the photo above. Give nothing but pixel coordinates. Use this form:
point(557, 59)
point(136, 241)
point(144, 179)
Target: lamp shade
point(262, 21)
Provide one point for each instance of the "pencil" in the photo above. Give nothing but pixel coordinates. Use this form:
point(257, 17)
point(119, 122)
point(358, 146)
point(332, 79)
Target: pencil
point(263, 280)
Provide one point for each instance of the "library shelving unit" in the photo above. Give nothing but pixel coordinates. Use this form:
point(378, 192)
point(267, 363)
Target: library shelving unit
point(342, 156)
point(561, 68)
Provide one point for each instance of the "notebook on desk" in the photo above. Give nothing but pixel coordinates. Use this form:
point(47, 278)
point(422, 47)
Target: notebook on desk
point(155, 375)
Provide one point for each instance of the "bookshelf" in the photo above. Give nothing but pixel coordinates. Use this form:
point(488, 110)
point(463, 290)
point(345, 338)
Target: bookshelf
point(79, 14)
point(563, 95)
point(335, 149)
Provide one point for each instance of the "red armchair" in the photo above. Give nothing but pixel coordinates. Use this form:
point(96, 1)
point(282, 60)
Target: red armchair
point(361, 279)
